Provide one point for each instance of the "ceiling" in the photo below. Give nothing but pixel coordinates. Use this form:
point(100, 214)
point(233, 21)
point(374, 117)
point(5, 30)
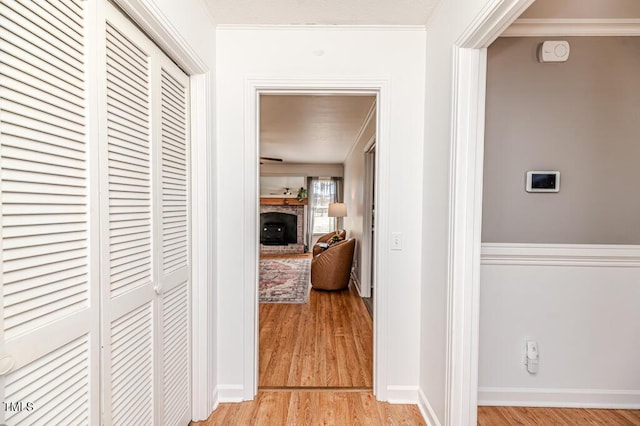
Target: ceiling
point(321, 12)
point(311, 128)
point(398, 12)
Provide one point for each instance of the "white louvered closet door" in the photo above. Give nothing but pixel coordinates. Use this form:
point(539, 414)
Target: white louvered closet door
point(127, 225)
point(49, 309)
point(145, 228)
point(173, 230)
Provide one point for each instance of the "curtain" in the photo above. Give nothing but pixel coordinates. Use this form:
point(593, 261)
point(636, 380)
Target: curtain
point(338, 198)
point(321, 192)
point(310, 212)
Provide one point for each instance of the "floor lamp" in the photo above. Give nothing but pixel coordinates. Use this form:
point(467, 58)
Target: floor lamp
point(337, 210)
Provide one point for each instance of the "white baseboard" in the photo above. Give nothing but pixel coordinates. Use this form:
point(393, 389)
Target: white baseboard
point(583, 398)
point(356, 282)
point(426, 410)
point(202, 414)
point(402, 394)
point(215, 400)
point(230, 393)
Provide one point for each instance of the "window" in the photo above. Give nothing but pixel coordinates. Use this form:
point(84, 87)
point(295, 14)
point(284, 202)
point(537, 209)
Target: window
point(324, 192)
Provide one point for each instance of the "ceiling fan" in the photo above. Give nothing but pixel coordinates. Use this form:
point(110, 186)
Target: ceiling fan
point(276, 160)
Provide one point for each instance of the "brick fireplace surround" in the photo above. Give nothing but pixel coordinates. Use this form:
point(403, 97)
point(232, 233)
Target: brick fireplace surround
point(297, 210)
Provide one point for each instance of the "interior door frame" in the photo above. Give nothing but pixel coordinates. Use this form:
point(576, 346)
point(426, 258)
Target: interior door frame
point(367, 260)
point(203, 323)
point(465, 217)
point(254, 88)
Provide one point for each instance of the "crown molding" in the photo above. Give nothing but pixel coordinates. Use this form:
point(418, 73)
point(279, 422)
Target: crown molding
point(322, 27)
point(494, 19)
point(161, 30)
point(573, 27)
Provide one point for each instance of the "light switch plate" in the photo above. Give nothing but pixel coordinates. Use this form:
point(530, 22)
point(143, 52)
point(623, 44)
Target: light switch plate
point(396, 241)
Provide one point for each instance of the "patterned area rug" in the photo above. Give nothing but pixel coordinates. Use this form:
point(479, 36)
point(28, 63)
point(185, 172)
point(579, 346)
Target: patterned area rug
point(285, 280)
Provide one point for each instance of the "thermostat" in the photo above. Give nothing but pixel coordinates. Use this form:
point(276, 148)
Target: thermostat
point(543, 181)
point(554, 51)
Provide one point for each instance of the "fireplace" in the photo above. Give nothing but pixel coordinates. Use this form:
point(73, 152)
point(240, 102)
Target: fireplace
point(278, 228)
point(290, 218)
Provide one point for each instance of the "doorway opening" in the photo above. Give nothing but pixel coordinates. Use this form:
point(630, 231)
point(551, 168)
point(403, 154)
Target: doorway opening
point(313, 151)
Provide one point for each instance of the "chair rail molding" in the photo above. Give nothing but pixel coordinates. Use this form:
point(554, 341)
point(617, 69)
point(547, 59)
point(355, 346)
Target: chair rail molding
point(561, 255)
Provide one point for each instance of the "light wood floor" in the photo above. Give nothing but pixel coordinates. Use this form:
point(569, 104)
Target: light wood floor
point(361, 408)
point(314, 408)
point(316, 368)
point(326, 342)
point(528, 416)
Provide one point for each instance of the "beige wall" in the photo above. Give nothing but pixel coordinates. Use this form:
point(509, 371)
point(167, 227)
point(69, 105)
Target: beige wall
point(582, 118)
point(300, 169)
point(354, 192)
point(583, 9)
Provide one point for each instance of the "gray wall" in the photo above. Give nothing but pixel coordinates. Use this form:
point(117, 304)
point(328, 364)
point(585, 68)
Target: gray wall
point(583, 9)
point(582, 118)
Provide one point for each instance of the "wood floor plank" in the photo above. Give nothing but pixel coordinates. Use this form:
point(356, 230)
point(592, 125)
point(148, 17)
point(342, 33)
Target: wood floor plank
point(363, 406)
point(629, 416)
point(534, 416)
point(301, 410)
point(271, 406)
point(326, 342)
point(307, 366)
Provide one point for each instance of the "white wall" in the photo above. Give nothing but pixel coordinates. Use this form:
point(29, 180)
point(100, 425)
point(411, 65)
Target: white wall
point(396, 56)
point(580, 302)
point(354, 175)
point(447, 23)
point(274, 186)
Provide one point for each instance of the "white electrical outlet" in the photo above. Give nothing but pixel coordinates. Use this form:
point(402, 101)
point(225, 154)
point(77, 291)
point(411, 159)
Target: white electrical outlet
point(531, 356)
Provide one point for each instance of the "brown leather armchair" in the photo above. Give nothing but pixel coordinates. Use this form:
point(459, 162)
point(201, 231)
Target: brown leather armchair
point(331, 269)
point(323, 239)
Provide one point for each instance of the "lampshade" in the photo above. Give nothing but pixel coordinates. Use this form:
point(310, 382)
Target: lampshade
point(337, 210)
